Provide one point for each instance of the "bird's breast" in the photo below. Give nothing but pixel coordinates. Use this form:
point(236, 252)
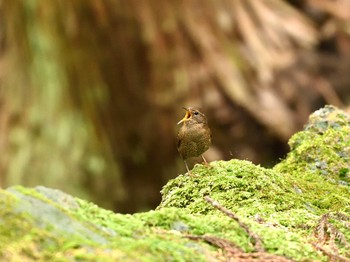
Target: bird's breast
point(193, 140)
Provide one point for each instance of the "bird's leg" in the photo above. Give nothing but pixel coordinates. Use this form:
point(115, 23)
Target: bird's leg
point(188, 170)
point(205, 161)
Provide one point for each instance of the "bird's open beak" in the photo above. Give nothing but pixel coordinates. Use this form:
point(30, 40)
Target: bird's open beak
point(186, 117)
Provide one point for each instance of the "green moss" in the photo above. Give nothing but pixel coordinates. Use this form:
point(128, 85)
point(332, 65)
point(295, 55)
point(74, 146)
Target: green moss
point(180, 220)
point(319, 160)
point(141, 235)
point(114, 224)
point(261, 197)
point(17, 233)
point(322, 149)
point(238, 185)
point(283, 205)
point(128, 237)
point(144, 230)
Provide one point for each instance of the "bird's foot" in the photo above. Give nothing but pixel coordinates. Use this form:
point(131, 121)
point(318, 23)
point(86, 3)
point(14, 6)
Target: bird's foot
point(205, 162)
point(189, 173)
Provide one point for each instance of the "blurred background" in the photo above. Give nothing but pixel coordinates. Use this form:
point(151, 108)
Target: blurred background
point(91, 90)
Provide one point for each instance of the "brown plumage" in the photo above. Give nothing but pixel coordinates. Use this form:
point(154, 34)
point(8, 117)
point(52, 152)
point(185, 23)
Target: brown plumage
point(194, 136)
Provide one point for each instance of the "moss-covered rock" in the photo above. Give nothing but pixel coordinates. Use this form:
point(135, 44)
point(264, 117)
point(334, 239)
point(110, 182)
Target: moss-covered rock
point(321, 152)
point(300, 210)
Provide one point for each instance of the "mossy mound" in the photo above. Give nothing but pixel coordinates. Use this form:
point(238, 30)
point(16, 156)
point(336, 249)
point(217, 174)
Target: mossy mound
point(315, 174)
point(312, 181)
point(271, 203)
point(322, 149)
point(299, 210)
point(43, 224)
point(319, 161)
point(241, 186)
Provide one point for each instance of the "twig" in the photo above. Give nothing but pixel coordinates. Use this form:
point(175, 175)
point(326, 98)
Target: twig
point(332, 256)
point(257, 241)
point(327, 234)
point(222, 243)
point(234, 253)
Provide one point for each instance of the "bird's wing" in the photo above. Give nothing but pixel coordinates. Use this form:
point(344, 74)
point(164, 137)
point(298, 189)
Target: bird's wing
point(179, 140)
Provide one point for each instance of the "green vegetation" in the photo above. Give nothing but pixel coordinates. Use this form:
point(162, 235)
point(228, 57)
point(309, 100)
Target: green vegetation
point(301, 203)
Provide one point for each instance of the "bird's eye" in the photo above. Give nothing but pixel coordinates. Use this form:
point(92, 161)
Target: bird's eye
point(196, 113)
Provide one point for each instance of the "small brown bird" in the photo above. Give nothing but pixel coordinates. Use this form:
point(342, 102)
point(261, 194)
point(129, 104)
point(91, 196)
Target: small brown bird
point(194, 136)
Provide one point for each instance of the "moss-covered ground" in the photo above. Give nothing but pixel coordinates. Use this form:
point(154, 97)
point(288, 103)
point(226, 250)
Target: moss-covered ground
point(300, 210)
